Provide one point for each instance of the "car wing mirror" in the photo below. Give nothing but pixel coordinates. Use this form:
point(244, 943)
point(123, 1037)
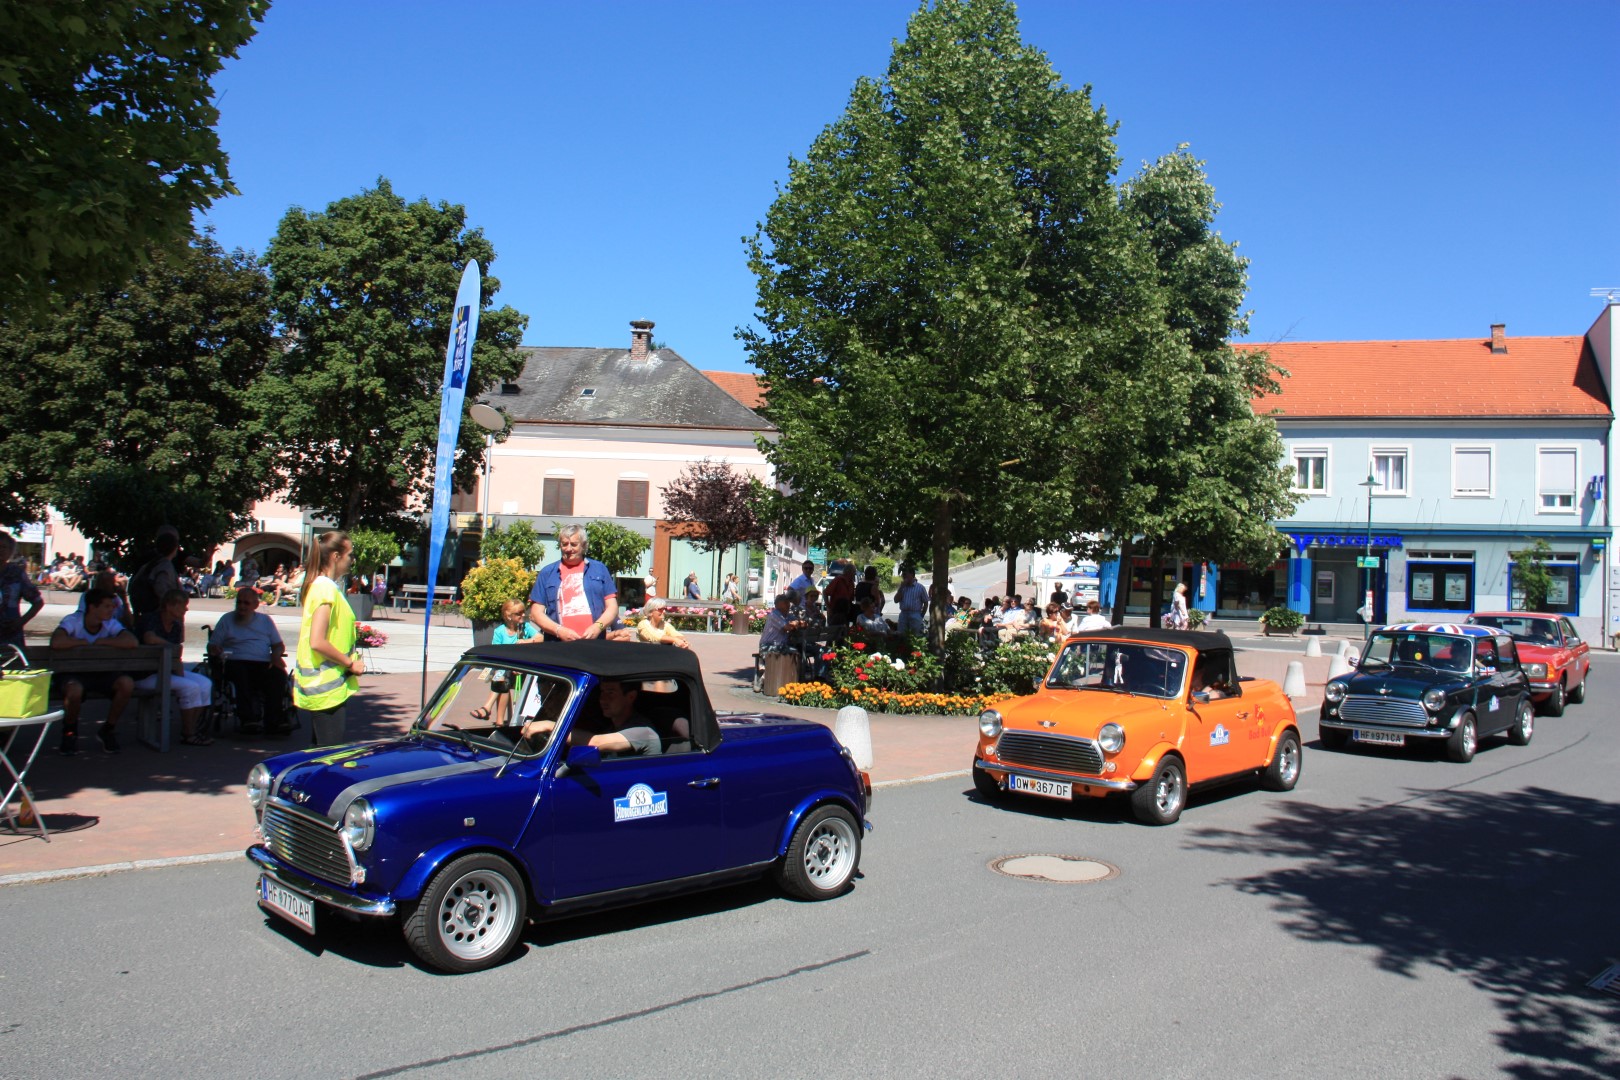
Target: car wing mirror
point(583, 757)
point(1201, 697)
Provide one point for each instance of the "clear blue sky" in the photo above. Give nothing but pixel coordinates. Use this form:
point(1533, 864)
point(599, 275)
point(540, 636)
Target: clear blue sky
point(1393, 169)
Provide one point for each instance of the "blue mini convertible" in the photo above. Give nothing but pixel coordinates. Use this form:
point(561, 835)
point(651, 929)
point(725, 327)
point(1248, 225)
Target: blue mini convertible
point(549, 779)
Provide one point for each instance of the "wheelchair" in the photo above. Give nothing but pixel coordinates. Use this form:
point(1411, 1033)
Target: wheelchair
point(225, 710)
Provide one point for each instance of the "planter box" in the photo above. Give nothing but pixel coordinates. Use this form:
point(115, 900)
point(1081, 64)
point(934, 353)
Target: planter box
point(483, 631)
point(361, 603)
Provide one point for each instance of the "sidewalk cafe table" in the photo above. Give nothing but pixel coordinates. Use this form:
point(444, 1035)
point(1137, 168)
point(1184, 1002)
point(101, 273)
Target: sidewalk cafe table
point(19, 776)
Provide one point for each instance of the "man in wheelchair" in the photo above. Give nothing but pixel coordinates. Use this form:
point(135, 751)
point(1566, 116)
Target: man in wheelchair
point(245, 650)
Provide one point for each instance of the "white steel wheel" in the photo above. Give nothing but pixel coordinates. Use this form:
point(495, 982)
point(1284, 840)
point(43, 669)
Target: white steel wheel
point(823, 855)
point(470, 916)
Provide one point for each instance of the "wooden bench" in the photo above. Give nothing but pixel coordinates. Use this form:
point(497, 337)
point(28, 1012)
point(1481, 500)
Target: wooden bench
point(419, 594)
point(140, 661)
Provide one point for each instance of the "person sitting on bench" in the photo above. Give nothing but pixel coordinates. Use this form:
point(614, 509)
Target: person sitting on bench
point(94, 626)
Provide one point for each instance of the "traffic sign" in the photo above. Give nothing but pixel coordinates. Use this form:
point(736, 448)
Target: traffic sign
point(1367, 562)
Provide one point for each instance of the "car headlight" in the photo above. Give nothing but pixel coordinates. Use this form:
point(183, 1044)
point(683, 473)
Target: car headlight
point(990, 723)
point(258, 788)
point(1111, 738)
point(1334, 691)
point(1536, 671)
point(1434, 699)
point(359, 824)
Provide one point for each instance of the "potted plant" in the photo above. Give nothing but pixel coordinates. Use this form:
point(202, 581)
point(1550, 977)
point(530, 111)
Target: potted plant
point(1281, 620)
point(486, 587)
point(1196, 617)
point(373, 548)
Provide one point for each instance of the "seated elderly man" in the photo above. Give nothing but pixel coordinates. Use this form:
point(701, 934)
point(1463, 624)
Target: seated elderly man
point(248, 644)
point(654, 630)
point(96, 626)
point(780, 625)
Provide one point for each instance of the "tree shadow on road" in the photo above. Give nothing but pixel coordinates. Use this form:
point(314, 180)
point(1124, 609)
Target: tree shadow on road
point(1513, 892)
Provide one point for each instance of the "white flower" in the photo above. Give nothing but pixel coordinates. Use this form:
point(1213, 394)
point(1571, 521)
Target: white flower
point(899, 665)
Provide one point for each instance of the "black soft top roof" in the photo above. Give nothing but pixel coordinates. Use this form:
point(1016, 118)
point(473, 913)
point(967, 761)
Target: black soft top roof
point(1201, 640)
point(619, 660)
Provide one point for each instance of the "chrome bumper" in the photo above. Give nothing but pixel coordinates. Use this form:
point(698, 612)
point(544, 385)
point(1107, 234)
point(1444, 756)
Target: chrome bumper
point(1067, 778)
point(316, 890)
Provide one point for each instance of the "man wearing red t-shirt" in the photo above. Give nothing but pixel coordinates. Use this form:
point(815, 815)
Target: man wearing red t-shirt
point(575, 597)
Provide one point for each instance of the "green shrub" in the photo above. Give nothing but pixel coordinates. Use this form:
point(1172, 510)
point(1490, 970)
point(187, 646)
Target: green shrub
point(1282, 618)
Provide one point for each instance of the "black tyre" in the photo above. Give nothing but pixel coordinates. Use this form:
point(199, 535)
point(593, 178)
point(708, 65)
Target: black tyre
point(1554, 705)
point(1333, 738)
point(1464, 741)
point(1283, 772)
point(823, 855)
point(1160, 800)
point(471, 915)
point(1578, 695)
point(1524, 726)
point(986, 786)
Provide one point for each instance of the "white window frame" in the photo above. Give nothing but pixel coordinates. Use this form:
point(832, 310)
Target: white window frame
point(1312, 451)
point(1489, 449)
point(1574, 506)
point(1391, 450)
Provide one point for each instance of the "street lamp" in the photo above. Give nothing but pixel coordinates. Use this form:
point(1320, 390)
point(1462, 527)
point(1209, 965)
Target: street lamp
point(1367, 562)
point(491, 420)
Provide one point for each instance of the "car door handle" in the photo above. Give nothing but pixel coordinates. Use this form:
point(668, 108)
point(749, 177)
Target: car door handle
point(1243, 716)
point(707, 781)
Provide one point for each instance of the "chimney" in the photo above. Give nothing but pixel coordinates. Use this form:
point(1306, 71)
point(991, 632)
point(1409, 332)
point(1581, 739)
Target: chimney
point(1498, 339)
point(640, 339)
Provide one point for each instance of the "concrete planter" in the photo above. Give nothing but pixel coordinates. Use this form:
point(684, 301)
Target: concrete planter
point(361, 603)
point(483, 631)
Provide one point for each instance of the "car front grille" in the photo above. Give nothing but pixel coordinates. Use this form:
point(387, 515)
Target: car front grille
point(1384, 710)
point(1061, 752)
point(305, 843)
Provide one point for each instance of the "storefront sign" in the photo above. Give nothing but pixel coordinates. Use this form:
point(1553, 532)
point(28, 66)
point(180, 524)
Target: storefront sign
point(1305, 540)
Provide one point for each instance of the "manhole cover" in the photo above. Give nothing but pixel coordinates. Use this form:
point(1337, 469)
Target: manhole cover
point(1064, 869)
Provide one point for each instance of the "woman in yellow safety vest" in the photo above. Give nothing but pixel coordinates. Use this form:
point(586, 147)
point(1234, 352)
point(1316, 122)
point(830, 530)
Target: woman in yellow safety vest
point(324, 675)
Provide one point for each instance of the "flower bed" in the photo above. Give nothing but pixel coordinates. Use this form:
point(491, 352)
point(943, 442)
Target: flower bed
point(822, 696)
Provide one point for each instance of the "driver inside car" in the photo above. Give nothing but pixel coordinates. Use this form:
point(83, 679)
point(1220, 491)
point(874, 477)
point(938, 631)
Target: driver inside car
point(620, 732)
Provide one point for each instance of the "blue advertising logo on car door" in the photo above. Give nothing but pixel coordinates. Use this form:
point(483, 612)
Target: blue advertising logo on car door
point(640, 801)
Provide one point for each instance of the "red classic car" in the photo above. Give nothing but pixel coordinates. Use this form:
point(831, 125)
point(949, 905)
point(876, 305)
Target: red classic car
point(1552, 653)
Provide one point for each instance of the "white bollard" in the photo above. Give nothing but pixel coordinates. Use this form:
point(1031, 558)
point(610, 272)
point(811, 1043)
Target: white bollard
point(1294, 681)
point(1339, 665)
point(854, 729)
point(1313, 646)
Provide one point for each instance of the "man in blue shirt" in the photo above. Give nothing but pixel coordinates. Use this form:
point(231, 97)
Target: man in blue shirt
point(574, 597)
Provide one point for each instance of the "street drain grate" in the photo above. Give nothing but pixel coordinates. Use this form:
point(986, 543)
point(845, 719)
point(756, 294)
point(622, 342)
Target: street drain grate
point(1059, 869)
point(1607, 981)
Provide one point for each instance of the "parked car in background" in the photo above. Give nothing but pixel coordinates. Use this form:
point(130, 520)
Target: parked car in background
point(1139, 713)
point(465, 828)
point(1445, 683)
point(1551, 652)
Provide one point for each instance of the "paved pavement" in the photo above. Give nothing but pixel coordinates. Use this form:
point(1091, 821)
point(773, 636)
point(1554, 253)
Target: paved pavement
point(109, 812)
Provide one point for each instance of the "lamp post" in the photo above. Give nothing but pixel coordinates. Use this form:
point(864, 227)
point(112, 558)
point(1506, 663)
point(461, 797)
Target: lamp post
point(1367, 563)
point(491, 420)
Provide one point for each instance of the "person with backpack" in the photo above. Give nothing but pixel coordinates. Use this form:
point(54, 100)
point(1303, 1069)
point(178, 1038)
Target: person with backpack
point(156, 577)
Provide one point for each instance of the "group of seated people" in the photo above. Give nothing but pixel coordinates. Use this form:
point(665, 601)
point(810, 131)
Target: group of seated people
point(1014, 618)
point(245, 649)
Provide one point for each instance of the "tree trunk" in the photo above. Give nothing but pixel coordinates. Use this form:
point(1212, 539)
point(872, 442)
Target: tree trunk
point(1122, 584)
point(1156, 590)
point(1012, 571)
point(941, 589)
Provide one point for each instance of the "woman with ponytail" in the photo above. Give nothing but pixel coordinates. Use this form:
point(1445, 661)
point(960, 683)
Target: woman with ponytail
point(324, 675)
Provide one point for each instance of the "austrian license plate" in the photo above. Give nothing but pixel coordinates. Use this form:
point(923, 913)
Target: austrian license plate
point(1379, 738)
point(295, 907)
point(1051, 789)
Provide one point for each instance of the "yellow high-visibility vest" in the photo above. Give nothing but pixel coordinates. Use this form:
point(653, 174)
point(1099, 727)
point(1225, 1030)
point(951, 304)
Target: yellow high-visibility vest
point(320, 683)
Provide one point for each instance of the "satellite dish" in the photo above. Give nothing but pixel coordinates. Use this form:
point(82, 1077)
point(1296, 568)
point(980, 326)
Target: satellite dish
point(487, 417)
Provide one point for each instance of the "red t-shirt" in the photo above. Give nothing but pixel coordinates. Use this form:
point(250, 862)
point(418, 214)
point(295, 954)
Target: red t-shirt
point(573, 607)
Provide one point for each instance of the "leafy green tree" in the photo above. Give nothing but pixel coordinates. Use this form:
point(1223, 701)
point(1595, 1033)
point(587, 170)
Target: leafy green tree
point(515, 541)
point(136, 406)
point(107, 131)
point(1531, 576)
point(616, 547)
point(1209, 484)
point(962, 329)
point(363, 293)
point(372, 548)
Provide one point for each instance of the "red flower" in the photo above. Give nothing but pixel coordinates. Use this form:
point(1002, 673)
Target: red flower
point(858, 646)
point(861, 675)
point(829, 656)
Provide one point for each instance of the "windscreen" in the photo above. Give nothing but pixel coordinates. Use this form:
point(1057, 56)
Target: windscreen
point(1120, 667)
point(1522, 628)
point(1416, 648)
point(483, 704)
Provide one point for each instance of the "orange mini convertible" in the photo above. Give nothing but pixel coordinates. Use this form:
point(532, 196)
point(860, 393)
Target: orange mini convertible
point(1143, 713)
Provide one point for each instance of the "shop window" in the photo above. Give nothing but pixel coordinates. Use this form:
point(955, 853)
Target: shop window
point(1310, 469)
point(1471, 471)
point(1439, 586)
point(1563, 591)
point(1556, 468)
point(632, 498)
point(1389, 469)
point(557, 496)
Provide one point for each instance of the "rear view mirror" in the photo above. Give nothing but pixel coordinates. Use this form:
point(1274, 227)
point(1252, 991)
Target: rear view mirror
point(583, 757)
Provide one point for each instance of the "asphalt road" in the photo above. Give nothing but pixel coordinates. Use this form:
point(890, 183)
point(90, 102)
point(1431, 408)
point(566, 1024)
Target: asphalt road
point(1395, 916)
